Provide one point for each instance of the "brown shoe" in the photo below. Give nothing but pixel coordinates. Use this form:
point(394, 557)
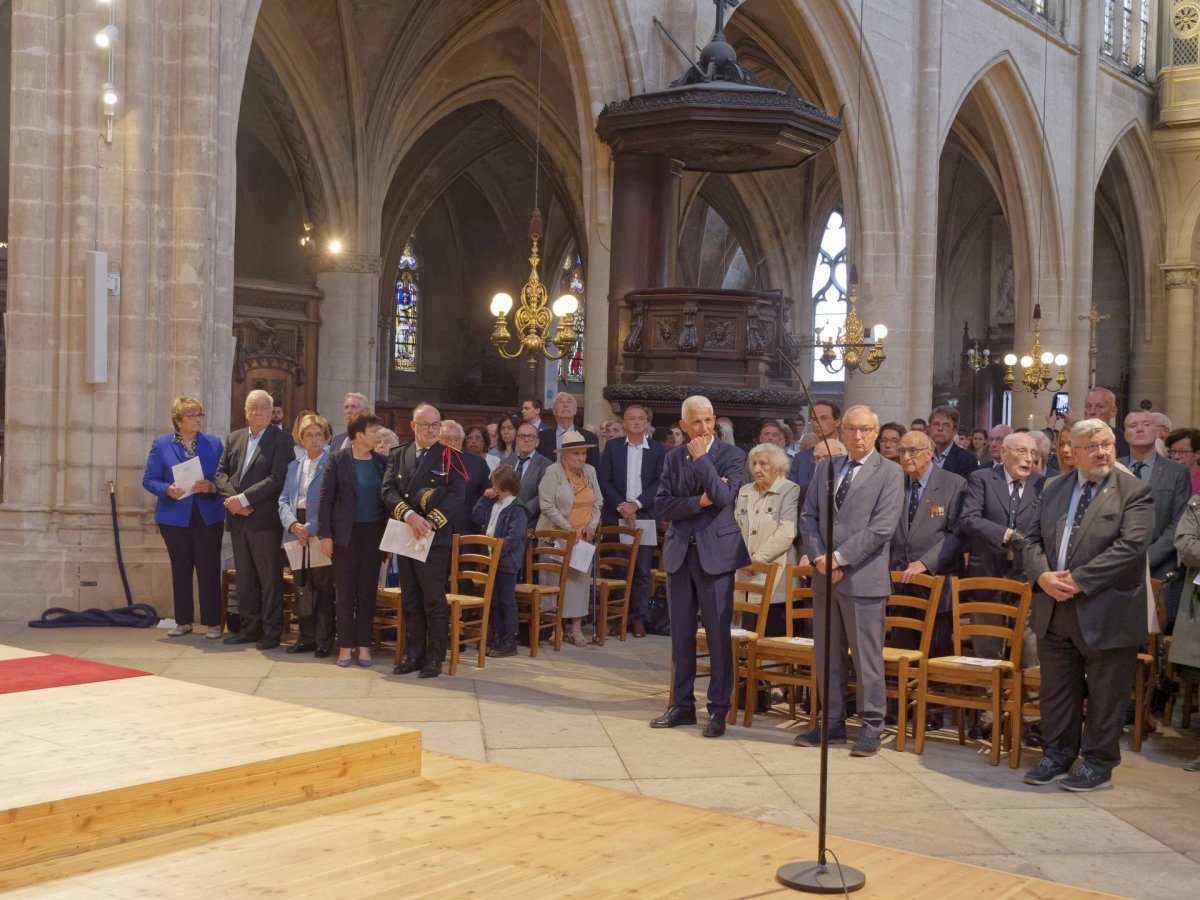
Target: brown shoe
point(614, 630)
point(639, 630)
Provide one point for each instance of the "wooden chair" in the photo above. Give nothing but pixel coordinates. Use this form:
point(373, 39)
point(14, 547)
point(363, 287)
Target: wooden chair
point(618, 559)
point(908, 614)
point(474, 561)
point(658, 575)
point(388, 615)
point(289, 602)
point(228, 596)
point(972, 683)
point(789, 660)
point(756, 600)
point(543, 558)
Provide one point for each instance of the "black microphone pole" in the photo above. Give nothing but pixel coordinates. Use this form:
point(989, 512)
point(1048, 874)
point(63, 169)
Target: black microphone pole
point(809, 876)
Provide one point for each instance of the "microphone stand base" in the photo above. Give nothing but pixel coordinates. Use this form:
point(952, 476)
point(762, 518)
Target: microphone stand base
point(814, 878)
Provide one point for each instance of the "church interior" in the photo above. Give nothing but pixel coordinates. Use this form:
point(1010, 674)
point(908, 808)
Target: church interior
point(319, 197)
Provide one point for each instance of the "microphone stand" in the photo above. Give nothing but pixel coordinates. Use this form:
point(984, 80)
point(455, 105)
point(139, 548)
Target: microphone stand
point(815, 877)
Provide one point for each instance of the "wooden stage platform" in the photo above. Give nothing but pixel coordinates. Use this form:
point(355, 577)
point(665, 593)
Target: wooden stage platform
point(153, 787)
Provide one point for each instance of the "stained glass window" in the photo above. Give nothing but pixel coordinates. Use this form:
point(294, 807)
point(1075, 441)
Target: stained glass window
point(829, 290)
point(570, 367)
point(404, 346)
point(1110, 14)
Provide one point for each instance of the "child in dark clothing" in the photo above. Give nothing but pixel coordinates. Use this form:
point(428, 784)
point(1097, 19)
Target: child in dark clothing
point(500, 514)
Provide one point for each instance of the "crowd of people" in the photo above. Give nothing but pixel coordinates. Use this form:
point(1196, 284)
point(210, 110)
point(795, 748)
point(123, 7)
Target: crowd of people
point(1082, 511)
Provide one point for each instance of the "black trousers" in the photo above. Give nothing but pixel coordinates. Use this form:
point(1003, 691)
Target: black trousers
point(195, 548)
point(318, 628)
point(423, 602)
point(639, 594)
point(1068, 664)
point(258, 562)
point(356, 573)
point(692, 590)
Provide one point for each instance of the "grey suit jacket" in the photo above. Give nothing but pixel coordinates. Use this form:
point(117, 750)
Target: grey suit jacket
point(1171, 484)
point(932, 537)
point(983, 521)
point(1107, 561)
point(534, 470)
point(862, 528)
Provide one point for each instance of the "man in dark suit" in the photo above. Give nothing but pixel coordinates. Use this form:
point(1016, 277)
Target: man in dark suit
point(1171, 484)
point(998, 509)
point(702, 550)
point(630, 470)
point(826, 420)
point(529, 466)
point(1086, 553)
point(550, 439)
point(947, 455)
point(868, 496)
point(531, 412)
point(424, 487)
point(926, 540)
point(250, 478)
point(351, 407)
point(479, 478)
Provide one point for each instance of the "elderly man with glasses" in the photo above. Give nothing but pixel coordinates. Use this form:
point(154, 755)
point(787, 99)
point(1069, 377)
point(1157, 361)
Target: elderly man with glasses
point(529, 465)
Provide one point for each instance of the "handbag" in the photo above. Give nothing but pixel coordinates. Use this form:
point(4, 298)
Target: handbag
point(302, 589)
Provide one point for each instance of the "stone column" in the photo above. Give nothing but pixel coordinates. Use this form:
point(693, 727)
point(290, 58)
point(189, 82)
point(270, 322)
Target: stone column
point(156, 201)
point(347, 357)
point(1180, 282)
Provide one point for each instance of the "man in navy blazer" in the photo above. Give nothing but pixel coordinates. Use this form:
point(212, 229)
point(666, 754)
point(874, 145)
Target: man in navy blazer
point(702, 550)
point(868, 496)
point(250, 478)
point(629, 495)
point(947, 455)
point(550, 439)
point(826, 420)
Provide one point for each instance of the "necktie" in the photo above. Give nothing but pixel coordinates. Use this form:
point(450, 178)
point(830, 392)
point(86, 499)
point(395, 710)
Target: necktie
point(1085, 500)
point(1138, 469)
point(914, 500)
point(521, 466)
point(420, 453)
point(1014, 501)
point(845, 485)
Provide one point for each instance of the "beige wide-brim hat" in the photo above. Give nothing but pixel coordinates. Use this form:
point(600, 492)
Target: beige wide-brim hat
point(573, 440)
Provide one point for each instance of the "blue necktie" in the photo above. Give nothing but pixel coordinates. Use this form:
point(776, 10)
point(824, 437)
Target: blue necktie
point(845, 485)
point(1085, 500)
point(914, 501)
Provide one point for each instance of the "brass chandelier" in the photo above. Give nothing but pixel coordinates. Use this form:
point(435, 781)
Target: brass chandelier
point(1037, 367)
point(857, 354)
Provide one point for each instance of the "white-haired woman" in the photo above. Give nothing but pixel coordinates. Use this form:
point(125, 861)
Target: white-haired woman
point(766, 512)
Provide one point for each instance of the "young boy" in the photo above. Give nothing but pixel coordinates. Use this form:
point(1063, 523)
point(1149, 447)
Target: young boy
point(501, 514)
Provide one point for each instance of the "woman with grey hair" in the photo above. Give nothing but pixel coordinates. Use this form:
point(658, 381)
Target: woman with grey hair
point(766, 512)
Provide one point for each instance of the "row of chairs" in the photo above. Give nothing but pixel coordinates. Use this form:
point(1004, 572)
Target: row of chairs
point(992, 607)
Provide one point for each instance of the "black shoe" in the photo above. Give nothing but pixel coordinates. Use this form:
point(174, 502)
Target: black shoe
point(250, 638)
point(715, 727)
point(1086, 778)
point(813, 738)
point(322, 652)
point(674, 717)
point(1046, 772)
point(430, 670)
point(509, 648)
point(267, 644)
point(301, 647)
point(407, 666)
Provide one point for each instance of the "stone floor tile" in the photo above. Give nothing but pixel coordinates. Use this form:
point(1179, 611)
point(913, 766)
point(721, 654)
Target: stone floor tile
point(131, 649)
point(1176, 826)
point(758, 797)
point(240, 685)
point(666, 752)
point(459, 738)
point(943, 832)
point(1150, 875)
point(996, 787)
point(219, 666)
point(300, 689)
point(892, 792)
point(1004, 862)
point(624, 784)
point(779, 756)
point(387, 709)
point(583, 763)
point(1027, 832)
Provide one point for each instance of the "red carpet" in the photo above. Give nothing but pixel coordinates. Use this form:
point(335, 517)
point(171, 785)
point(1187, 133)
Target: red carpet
point(34, 673)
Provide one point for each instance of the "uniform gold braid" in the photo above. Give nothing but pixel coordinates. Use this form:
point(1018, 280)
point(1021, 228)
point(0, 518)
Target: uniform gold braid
point(400, 510)
point(437, 518)
point(424, 498)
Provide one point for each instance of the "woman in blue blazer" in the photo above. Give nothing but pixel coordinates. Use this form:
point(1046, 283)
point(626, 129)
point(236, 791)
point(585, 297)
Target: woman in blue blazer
point(299, 505)
point(191, 526)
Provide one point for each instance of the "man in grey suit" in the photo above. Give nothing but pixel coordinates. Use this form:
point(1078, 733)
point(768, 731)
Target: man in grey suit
point(1086, 553)
point(869, 497)
point(702, 550)
point(529, 466)
point(1171, 484)
point(926, 539)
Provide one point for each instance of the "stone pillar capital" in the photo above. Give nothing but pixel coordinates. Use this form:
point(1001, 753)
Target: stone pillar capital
point(353, 263)
point(1180, 275)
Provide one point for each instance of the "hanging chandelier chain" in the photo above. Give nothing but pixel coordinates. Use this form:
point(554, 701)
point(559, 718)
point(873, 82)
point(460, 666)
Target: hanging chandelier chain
point(537, 139)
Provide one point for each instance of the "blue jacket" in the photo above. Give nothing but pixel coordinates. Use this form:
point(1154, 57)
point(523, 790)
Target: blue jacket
point(164, 453)
point(713, 528)
point(291, 495)
point(614, 470)
point(511, 526)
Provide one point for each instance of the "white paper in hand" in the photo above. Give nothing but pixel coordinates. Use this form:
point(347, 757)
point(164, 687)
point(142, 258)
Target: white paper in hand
point(186, 474)
point(581, 556)
point(399, 538)
point(295, 555)
point(649, 530)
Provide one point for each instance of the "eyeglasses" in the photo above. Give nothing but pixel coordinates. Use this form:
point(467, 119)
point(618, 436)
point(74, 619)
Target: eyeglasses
point(913, 451)
point(193, 415)
point(427, 425)
point(888, 442)
point(1022, 452)
point(1181, 452)
point(1096, 448)
point(526, 436)
point(858, 429)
